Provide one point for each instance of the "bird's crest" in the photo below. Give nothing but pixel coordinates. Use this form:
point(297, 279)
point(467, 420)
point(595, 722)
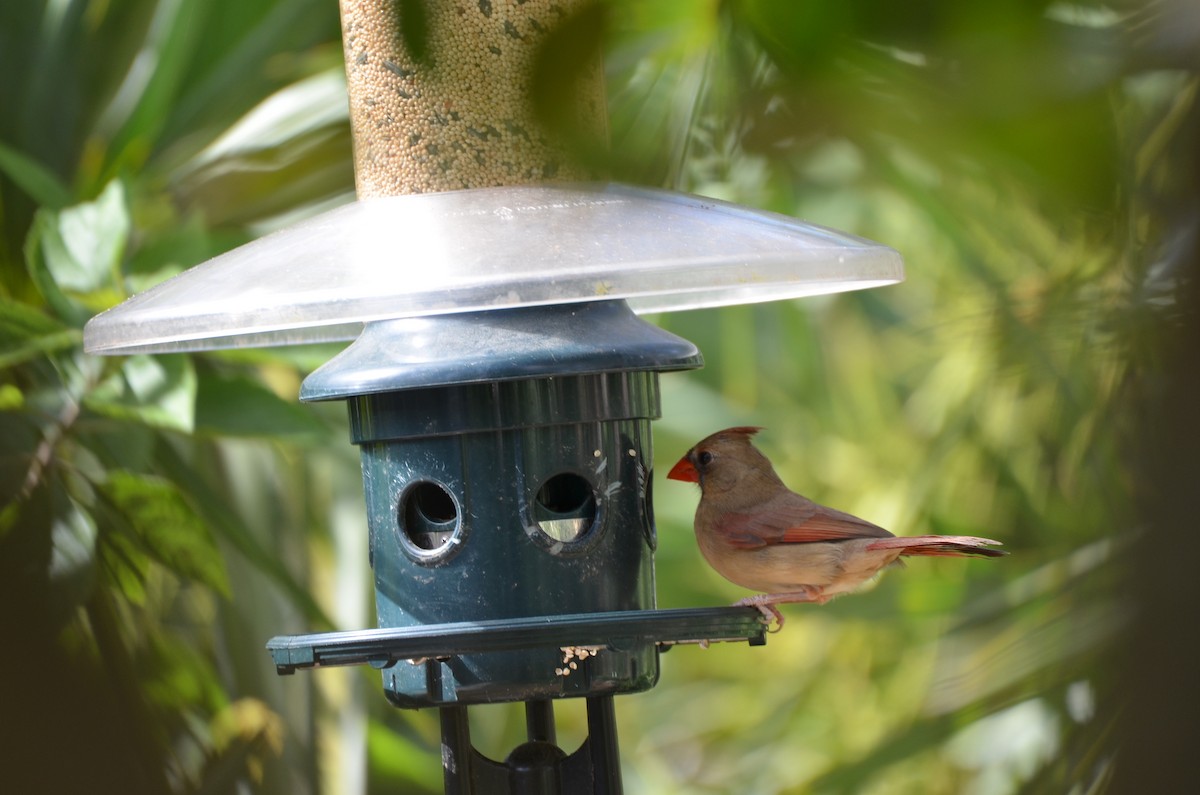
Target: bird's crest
point(745, 431)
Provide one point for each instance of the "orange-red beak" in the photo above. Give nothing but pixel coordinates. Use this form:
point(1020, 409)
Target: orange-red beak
point(684, 470)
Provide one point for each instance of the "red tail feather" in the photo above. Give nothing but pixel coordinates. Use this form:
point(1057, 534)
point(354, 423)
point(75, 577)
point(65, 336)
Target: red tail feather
point(941, 546)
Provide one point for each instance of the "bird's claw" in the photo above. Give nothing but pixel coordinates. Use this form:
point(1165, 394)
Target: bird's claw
point(772, 612)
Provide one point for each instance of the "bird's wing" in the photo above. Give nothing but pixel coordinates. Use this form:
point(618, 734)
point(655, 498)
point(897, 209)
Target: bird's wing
point(793, 519)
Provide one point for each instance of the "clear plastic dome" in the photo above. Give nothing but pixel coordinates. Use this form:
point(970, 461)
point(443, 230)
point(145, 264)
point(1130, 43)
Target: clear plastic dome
point(490, 248)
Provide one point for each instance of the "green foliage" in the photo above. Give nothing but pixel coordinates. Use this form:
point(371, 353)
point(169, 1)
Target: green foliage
point(161, 516)
point(119, 547)
point(33, 178)
point(995, 146)
point(110, 531)
point(156, 522)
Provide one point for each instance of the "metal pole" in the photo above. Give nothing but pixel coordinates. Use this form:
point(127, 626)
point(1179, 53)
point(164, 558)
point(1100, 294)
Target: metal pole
point(602, 746)
point(456, 751)
point(539, 721)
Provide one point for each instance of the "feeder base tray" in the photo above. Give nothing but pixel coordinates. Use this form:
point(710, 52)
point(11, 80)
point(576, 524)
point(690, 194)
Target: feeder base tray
point(384, 647)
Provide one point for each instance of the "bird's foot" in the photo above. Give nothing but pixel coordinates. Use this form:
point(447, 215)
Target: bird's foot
point(769, 611)
point(765, 602)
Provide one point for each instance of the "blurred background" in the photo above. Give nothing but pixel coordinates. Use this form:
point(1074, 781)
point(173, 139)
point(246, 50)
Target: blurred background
point(1034, 380)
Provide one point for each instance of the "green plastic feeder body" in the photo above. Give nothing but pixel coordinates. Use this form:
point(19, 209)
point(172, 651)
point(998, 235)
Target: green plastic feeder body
point(506, 463)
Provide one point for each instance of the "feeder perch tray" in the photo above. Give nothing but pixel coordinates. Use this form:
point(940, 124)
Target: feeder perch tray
point(385, 647)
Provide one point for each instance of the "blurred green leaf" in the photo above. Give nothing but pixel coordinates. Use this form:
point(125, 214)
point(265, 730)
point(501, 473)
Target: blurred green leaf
point(414, 27)
point(804, 38)
point(169, 45)
point(47, 556)
point(230, 405)
point(229, 526)
point(73, 540)
point(564, 63)
point(75, 251)
point(242, 734)
point(290, 149)
point(11, 398)
point(264, 46)
point(399, 763)
point(44, 244)
point(177, 677)
point(126, 563)
point(167, 528)
point(33, 178)
point(26, 332)
point(93, 236)
point(297, 110)
point(159, 391)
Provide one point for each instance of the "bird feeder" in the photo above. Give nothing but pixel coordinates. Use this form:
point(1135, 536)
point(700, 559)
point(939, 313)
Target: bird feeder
point(500, 386)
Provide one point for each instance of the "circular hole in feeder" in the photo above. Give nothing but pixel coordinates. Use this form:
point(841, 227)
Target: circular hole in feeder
point(428, 517)
point(565, 507)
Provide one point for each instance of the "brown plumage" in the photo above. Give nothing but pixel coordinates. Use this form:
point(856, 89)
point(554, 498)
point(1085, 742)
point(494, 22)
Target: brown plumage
point(760, 535)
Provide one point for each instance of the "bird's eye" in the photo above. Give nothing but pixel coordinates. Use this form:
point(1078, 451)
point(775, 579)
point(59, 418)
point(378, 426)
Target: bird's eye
point(705, 458)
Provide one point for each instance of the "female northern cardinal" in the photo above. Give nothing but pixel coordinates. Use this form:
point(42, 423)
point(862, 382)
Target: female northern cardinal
point(760, 535)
